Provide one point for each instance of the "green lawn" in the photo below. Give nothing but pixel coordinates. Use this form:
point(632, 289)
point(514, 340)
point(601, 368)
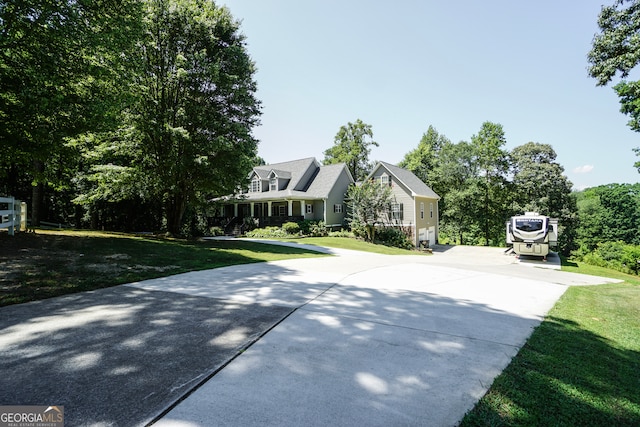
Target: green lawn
point(580, 367)
point(51, 263)
point(349, 243)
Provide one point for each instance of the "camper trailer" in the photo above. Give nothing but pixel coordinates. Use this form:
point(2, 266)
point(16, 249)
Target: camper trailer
point(532, 234)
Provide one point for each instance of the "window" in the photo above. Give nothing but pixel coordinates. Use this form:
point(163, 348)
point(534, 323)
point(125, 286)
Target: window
point(421, 210)
point(309, 208)
point(282, 210)
point(431, 209)
point(397, 211)
point(337, 208)
point(255, 186)
point(273, 184)
point(384, 180)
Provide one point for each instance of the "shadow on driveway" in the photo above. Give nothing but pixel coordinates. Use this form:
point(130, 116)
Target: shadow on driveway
point(120, 356)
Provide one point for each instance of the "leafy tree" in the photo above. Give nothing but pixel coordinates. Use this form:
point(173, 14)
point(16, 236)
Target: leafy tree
point(423, 160)
point(352, 146)
point(189, 135)
point(461, 192)
point(58, 64)
point(616, 49)
point(368, 205)
point(492, 165)
point(539, 185)
point(609, 213)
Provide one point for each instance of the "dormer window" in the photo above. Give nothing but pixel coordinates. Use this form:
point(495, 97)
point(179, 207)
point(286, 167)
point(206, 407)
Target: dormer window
point(256, 186)
point(273, 184)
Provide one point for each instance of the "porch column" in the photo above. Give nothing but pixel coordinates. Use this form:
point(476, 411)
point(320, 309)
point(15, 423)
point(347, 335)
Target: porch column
point(269, 208)
point(252, 209)
point(235, 209)
point(290, 207)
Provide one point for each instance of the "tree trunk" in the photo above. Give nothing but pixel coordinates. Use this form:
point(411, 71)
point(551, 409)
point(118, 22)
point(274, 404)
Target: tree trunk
point(174, 211)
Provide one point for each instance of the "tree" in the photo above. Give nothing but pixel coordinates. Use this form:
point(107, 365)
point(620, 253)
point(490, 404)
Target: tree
point(368, 205)
point(492, 165)
point(423, 160)
point(58, 64)
point(539, 185)
point(189, 137)
point(460, 192)
point(616, 49)
point(609, 213)
point(351, 146)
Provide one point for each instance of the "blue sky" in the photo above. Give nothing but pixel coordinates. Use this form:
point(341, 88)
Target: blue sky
point(402, 66)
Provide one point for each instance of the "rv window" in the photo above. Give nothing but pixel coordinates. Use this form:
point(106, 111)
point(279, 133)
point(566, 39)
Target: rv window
point(529, 224)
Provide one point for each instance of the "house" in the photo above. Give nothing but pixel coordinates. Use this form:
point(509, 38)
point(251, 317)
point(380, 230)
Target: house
point(305, 189)
point(293, 191)
point(415, 205)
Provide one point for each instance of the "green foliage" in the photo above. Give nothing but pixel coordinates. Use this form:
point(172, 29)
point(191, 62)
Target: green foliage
point(618, 256)
point(368, 205)
point(393, 236)
point(216, 231)
point(267, 232)
point(291, 228)
point(352, 147)
point(609, 213)
point(616, 50)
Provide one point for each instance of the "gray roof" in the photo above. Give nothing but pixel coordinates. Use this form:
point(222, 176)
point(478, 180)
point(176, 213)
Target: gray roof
point(325, 180)
point(409, 179)
point(318, 182)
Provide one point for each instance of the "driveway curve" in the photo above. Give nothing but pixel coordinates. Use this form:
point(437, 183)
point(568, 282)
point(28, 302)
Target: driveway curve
point(352, 339)
point(372, 339)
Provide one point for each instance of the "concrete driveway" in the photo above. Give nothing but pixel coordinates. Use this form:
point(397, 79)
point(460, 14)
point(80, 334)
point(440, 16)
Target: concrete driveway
point(354, 339)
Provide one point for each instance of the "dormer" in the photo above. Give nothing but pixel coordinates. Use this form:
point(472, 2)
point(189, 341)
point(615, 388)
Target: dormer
point(385, 179)
point(257, 183)
point(278, 180)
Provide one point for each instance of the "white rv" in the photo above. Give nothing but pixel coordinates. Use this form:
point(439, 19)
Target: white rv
point(532, 234)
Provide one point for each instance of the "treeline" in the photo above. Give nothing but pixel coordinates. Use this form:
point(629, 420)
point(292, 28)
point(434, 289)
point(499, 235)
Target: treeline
point(481, 184)
point(123, 114)
point(609, 230)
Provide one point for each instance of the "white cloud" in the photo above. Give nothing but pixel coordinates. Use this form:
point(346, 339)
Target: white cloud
point(583, 169)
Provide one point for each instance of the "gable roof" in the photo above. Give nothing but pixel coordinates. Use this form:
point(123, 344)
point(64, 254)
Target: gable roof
point(409, 179)
point(307, 179)
point(293, 170)
point(326, 178)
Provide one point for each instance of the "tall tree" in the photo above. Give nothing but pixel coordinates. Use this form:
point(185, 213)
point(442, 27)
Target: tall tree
point(461, 193)
point(616, 49)
point(58, 62)
point(423, 160)
point(539, 185)
point(492, 164)
point(191, 125)
point(352, 145)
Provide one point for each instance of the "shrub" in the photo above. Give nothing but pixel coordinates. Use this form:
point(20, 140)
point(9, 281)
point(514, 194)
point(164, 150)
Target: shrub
point(615, 255)
point(392, 236)
point(341, 233)
point(318, 229)
point(267, 232)
point(291, 228)
point(216, 231)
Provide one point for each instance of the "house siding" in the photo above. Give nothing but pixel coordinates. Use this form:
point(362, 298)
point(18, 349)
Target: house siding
point(337, 196)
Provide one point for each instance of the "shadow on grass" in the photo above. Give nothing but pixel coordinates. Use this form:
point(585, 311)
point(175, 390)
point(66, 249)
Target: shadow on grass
point(564, 376)
point(38, 266)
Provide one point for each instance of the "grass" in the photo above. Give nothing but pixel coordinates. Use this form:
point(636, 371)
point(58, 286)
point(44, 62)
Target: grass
point(52, 263)
point(349, 243)
point(581, 366)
